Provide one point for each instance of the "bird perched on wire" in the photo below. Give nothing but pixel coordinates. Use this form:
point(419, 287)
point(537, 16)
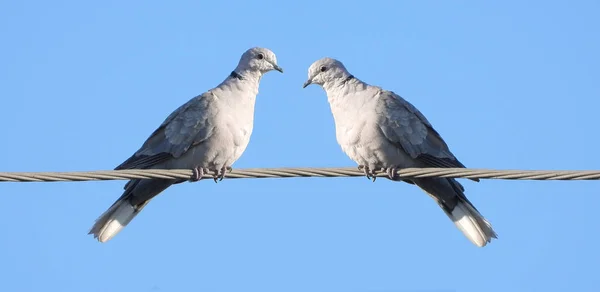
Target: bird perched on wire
point(207, 134)
point(380, 130)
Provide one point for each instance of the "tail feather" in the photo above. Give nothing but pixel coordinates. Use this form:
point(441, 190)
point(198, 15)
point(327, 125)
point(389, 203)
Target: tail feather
point(449, 194)
point(472, 224)
point(113, 220)
point(136, 196)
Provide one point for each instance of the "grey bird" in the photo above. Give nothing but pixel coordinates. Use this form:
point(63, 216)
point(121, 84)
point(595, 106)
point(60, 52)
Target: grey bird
point(380, 130)
point(207, 134)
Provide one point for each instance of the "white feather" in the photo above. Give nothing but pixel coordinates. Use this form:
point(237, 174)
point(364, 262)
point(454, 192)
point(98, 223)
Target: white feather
point(113, 221)
point(472, 224)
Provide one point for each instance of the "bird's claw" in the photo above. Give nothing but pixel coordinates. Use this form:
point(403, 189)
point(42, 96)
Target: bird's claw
point(220, 175)
point(369, 173)
point(392, 172)
point(197, 174)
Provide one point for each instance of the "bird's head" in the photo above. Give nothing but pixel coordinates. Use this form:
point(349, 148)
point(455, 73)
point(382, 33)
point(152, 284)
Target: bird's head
point(259, 59)
point(325, 70)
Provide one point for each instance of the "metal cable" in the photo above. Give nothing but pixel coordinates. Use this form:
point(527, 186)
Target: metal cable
point(300, 172)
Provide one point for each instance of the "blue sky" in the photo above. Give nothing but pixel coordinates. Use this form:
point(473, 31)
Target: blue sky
point(509, 85)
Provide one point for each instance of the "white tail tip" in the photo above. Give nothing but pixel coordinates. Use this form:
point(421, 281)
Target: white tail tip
point(113, 221)
point(478, 230)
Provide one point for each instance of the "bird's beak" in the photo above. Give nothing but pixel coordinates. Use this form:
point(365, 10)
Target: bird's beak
point(277, 68)
point(307, 83)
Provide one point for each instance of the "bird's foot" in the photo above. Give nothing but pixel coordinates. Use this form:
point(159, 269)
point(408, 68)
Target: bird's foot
point(392, 172)
point(219, 175)
point(369, 173)
point(197, 173)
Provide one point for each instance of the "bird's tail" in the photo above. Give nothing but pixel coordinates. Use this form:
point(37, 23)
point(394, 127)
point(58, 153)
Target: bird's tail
point(472, 224)
point(449, 195)
point(136, 196)
point(113, 220)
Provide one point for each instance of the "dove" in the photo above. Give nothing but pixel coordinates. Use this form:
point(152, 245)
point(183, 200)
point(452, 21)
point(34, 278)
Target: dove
point(207, 134)
point(381, 131)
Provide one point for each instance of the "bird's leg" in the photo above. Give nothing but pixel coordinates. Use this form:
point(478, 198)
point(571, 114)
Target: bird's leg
point(216, 173)
point(197, 174)
point(392, 172)
point(220, 174)
point(373, 174)
point(370, 174)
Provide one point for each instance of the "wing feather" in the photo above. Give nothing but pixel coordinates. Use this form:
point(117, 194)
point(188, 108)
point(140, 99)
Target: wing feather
point(405, 126)
point(187, 126)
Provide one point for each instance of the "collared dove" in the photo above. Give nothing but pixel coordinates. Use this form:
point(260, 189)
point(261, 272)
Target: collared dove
point(206, 134)
point(380, 130)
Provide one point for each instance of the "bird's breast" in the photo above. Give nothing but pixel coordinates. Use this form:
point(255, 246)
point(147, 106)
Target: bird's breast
point(363, 141)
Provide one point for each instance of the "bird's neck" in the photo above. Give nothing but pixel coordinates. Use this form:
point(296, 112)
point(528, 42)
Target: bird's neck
point(244, 73)
point(242, 80)
point(341, 87)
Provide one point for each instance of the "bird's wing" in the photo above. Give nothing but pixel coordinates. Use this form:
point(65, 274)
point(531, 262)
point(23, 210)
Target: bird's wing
point(188, 126)
point(405, 126)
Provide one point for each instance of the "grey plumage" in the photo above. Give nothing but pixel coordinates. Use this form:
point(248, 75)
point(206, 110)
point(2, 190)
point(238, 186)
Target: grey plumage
point(378, 129)
point(207, 134)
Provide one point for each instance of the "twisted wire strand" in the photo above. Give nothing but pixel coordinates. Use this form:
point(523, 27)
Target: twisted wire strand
point(300, 172)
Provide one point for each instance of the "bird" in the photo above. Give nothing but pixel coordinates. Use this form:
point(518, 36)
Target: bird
point(206, 134)
point(382, 132)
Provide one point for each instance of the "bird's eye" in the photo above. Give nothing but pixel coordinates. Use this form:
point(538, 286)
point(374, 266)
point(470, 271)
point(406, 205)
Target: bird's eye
point(323, 69)
point(260, 56)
